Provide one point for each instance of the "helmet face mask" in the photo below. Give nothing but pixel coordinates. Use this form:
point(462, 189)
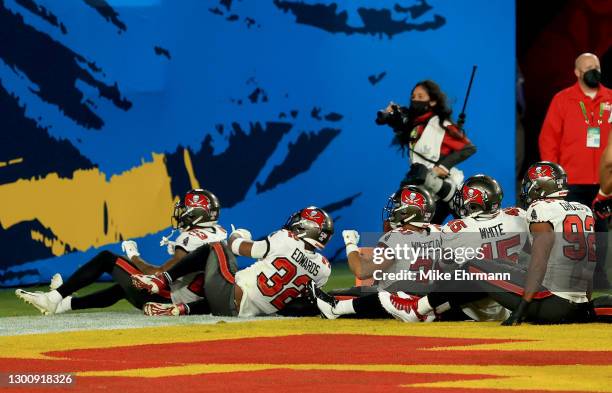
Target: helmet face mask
point(481, 195)
point(410, 205)
point(313, 225)
point(199, 208)
point(543, 179)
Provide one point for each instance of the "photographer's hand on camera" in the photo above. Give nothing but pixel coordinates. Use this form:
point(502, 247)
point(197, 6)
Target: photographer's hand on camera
point(391, 107)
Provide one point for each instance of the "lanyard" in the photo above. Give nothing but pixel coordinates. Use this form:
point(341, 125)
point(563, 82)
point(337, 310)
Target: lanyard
point(586, 118)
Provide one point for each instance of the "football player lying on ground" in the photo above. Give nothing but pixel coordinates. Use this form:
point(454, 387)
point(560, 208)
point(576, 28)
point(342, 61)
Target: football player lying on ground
point(286, 262)
point(196, 219)
point(556, 286)
point(501, 234)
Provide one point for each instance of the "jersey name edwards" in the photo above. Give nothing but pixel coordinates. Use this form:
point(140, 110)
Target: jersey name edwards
point(308, 265)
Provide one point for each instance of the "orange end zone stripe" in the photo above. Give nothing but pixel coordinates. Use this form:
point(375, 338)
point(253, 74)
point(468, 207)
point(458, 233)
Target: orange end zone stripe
point(223, 266)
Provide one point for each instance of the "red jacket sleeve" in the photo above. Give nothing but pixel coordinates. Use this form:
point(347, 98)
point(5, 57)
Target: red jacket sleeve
point(550, 135)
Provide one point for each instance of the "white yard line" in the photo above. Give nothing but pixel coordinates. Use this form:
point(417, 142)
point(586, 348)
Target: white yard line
point(12, 326)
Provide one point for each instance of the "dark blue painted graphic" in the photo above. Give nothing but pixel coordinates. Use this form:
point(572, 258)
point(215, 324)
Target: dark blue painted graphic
point(300, 157)
point(376, 21)
point(269, 104)
point(22, 138)
point(107, 12)
point(55, 70)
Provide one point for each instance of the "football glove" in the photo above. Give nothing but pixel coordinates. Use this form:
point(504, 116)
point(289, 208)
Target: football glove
point(156, 309)
point(602, 205)
point(130, 248)
point(517, 315)
point(241, 232)
point(351, 239)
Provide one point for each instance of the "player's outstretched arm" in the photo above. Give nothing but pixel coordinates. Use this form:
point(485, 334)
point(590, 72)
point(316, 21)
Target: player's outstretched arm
point(240, 242)
point(362, 266)
point(130, 248)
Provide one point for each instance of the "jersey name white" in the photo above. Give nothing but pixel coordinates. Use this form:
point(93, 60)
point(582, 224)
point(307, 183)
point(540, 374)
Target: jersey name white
point(189, 288)
point(572, 259)
point(277, 278)
point(500, 237)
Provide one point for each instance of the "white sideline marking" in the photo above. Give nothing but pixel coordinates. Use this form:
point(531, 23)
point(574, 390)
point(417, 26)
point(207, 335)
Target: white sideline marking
point(13, 326)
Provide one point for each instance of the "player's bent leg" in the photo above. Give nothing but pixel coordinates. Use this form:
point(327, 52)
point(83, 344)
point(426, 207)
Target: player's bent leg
point(50, 302)
point(122, 274)
point(195, 261)
point(100, 299)
point(544, 308)
point(89, 273)
point(219, 282)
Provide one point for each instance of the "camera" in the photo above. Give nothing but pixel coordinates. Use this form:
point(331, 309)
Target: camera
point(396, 118)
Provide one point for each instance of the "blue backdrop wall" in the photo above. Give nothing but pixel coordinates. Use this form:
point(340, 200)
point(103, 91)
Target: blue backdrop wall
point(110, 110)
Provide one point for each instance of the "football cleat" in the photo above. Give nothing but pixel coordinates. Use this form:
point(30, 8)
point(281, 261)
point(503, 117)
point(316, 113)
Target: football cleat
point(164, 309)
point(56, 281)
point(325, 302)
point(45, 302)
point(404, 309)
point(152, 283)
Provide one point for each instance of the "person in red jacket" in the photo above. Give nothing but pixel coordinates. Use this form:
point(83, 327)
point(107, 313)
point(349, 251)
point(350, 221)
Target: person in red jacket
point(575, 134)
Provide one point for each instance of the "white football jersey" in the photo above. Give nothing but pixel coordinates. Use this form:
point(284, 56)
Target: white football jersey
point(189, 288)
point(572, 260)
point(499, 237)
point(415, 255)
point(277, 278)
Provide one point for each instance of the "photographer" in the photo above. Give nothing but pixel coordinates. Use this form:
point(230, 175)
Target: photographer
point(435, 145)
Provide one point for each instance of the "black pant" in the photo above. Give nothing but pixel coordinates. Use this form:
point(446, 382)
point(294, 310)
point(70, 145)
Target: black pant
point(544, 308)
point(121, 270)
point(219, 266)
point(585, 193)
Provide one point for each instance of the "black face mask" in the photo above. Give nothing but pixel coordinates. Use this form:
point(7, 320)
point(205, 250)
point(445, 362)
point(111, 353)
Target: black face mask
point(418, 108)
point(592, 78)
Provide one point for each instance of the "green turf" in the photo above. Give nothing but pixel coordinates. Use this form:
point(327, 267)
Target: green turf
point(11, 306)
